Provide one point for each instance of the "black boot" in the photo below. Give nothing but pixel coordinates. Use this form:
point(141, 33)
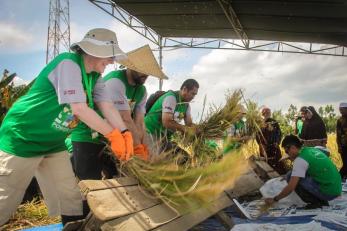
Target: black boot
point(66, 219)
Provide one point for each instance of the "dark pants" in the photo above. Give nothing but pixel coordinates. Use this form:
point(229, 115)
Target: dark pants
point(90, 159)
point(343, 170)
point(308, 190)
point(274, 155)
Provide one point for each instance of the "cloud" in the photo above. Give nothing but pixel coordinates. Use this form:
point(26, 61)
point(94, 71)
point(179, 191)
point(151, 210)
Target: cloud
point(14, 37)
point(273, 79)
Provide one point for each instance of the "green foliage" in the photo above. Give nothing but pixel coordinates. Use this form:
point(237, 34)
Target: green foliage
point(10, 93)
point(329, 117)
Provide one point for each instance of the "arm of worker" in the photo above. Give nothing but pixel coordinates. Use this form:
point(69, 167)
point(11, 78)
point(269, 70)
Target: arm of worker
point(91, 118)
point(103, 100)
point(293, 182)
point(126, 116)
point(139, 123)
point(140, 111)
point(168, 110)
point(188, 118)
point(66, 79)
point(300, 167)
point(116, 92)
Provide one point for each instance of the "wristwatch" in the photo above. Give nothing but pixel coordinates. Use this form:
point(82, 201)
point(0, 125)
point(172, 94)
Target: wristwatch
point(275, 198)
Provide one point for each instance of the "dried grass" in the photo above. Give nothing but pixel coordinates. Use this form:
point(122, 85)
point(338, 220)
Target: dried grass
point(30, 214)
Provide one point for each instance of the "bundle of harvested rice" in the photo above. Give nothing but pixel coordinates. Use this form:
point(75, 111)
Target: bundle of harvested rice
point(194, 173)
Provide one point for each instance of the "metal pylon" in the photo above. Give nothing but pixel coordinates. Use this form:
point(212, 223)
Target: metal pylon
point(58, 38)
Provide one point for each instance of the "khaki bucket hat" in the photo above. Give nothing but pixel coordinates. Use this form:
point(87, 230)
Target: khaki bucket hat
point(142, 60)
point(101, 43)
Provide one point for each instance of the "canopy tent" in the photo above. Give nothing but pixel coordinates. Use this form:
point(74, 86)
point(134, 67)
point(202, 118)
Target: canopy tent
point(220, 22)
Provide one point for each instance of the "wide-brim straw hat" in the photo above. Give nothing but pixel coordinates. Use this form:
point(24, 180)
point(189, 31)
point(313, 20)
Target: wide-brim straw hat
point(142, 60)
point(100, 43)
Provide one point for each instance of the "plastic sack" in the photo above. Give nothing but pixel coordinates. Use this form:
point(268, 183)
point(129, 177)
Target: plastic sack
point(274, 186)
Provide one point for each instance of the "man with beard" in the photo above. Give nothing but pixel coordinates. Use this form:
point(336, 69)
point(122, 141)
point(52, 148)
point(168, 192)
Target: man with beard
point(129, 96)
point(126, 90)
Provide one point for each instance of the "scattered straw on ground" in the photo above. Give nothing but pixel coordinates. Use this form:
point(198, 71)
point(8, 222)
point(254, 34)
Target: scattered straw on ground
point(30, 214)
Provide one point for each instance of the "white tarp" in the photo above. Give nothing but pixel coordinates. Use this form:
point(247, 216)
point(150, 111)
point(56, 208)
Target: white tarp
point(311, 226)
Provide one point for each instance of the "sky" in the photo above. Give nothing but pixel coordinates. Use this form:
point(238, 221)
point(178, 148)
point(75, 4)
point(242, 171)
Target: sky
point(272, 79)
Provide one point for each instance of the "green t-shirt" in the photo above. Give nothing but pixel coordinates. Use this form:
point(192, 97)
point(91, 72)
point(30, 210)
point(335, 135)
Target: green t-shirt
point(153, 119)
point(38, 123)
point(134, 94)
point(322, 170)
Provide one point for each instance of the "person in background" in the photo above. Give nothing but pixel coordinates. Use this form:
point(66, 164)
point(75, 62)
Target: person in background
point(236, 134)
point(299, 122)
point(314, 176)
point(313, 129)
point(269, 139)
point(341, 138)
point(33, 132)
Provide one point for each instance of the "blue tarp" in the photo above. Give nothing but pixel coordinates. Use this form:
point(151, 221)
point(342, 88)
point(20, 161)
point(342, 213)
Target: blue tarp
point(54, 227)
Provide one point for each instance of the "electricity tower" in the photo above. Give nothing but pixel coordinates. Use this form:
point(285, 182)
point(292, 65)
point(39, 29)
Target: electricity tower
point(58, 37)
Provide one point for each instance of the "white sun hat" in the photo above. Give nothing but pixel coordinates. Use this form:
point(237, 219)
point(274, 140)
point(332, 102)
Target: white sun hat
point(101, 43)
point(142, 60)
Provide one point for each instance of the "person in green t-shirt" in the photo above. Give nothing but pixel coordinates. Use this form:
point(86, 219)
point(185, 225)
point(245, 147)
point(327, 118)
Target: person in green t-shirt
point(170, 110)
point(128, 94)
point(33, 132)
point(314, 176)
point(299, 122)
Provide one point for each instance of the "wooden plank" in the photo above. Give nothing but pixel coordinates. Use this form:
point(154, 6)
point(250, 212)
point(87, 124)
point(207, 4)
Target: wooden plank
point(267, 169)
point(116, 202)
point(264, 165)
point(144, 220)
point(247, 183)
point(92, 185)
point(190, 220)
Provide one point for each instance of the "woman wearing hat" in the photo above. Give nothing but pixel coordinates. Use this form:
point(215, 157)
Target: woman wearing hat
point(128, 94)
point(33, 132)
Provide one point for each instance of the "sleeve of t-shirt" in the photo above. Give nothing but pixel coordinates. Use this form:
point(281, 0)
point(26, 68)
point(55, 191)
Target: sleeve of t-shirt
point(116, 89)
point(66, 78)
point(100, 92)
point(169, 104)
point(300, 167)
point(141, 107)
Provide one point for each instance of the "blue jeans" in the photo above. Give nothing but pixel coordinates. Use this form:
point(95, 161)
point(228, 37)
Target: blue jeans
point(311, 186)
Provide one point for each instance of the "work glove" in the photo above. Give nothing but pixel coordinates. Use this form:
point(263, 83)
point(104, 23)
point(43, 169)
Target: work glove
point(141, 151)
point(129, 144)
point(121, 144)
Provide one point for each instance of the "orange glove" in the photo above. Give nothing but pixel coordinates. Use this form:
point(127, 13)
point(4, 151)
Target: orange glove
point(129, 144)
point(117, 144)
point(141, 151)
